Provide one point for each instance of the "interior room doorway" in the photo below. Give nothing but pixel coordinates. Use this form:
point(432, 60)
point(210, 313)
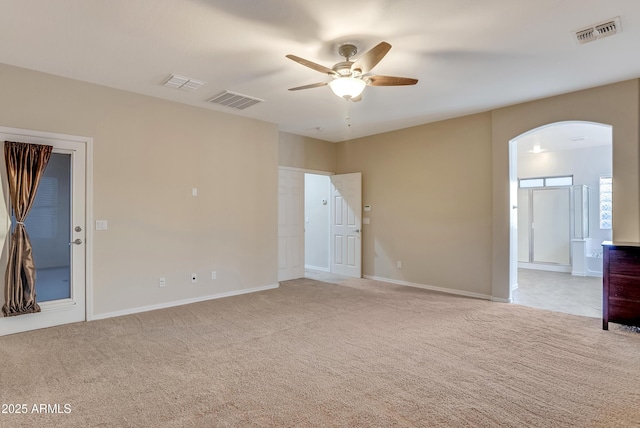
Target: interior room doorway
point(333, 223)
point(560, 214)
point(320, 223)
point(317, 222)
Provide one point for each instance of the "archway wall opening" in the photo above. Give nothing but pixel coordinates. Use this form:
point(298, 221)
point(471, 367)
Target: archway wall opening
point(617, 105)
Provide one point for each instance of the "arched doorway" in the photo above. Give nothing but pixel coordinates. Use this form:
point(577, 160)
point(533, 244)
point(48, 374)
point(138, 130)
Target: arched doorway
point(556, 174)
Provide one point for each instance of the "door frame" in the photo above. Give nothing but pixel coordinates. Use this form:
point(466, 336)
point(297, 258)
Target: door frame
point(88, 244)
point(513, 201)
point(329, 174)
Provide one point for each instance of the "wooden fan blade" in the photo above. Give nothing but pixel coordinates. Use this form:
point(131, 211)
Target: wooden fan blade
point(312, 65)
point(390, 81)
point(313, 85)
point(371, 58)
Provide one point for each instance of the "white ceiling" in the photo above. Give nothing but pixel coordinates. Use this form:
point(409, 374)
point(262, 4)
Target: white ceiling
point(468, 55)
point(566, 136)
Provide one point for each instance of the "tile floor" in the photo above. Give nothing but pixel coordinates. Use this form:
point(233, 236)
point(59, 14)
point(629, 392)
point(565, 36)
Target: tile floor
point(560, 292)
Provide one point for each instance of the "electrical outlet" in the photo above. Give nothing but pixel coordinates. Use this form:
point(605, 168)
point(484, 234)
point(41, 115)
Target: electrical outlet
point(194, 278)
point(399, 265)
point(213, 274)
point(162, 282)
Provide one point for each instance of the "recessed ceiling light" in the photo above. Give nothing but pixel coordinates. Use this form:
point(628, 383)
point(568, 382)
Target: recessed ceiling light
point(536, 149)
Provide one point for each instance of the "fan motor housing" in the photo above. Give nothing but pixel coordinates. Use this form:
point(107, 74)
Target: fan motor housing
point(343, 68)
point(348, 50)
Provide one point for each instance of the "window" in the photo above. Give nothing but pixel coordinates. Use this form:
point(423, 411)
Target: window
point(606, 191)
point(531, 182)
point(566, 180)
point(559, 181)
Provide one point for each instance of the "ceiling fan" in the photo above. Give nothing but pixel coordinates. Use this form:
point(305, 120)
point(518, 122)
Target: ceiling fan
point(351, 77)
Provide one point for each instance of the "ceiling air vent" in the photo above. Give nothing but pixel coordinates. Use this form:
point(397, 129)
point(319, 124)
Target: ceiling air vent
point(234, 100)
point(598, 31)
point(184, 83)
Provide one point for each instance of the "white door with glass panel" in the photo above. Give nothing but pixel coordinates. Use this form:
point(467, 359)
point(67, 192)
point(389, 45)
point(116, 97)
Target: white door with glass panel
point(346, 224)
point(56, 228)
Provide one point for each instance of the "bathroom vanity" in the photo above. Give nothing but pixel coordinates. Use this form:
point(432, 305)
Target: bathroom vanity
point(620, 283)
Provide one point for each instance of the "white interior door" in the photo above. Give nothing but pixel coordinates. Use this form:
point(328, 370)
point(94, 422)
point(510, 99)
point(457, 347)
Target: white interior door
point(290, 224)
point(346, 224)
point(551, 226)
point(56, 227)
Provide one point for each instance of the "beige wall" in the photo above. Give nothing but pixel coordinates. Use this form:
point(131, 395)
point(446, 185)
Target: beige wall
point(430, 191)
point(148, 155)
point(296, 151)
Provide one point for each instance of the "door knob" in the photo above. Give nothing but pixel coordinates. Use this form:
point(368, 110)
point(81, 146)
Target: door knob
point(76, 242)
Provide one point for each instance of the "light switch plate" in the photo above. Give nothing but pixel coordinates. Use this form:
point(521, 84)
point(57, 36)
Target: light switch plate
point(101, 225)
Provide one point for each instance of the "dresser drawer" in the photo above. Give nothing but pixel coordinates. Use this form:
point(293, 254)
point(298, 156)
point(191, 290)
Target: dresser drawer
point(624, 312)
point(624, 262)
point(624, 287)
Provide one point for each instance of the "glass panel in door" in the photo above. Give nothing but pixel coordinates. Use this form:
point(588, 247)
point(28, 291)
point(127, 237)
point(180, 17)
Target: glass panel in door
point(49, 227)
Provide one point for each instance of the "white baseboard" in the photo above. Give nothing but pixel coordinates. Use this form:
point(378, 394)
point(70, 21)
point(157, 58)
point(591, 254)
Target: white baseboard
point(316, 268)
point(182, 302)
point(433, 288)
point(546, 267)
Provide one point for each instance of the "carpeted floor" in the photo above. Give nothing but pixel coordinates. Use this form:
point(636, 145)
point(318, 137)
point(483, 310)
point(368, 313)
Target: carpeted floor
point(356, 354)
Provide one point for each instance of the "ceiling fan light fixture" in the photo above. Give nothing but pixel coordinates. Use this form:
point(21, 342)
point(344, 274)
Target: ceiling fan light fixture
point(351, 77)
point(347, 87)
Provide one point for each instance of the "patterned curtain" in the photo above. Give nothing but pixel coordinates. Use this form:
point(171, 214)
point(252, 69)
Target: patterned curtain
point(25, 165)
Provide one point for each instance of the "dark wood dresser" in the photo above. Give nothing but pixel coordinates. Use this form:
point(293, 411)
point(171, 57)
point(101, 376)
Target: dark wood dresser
point(620, 283)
